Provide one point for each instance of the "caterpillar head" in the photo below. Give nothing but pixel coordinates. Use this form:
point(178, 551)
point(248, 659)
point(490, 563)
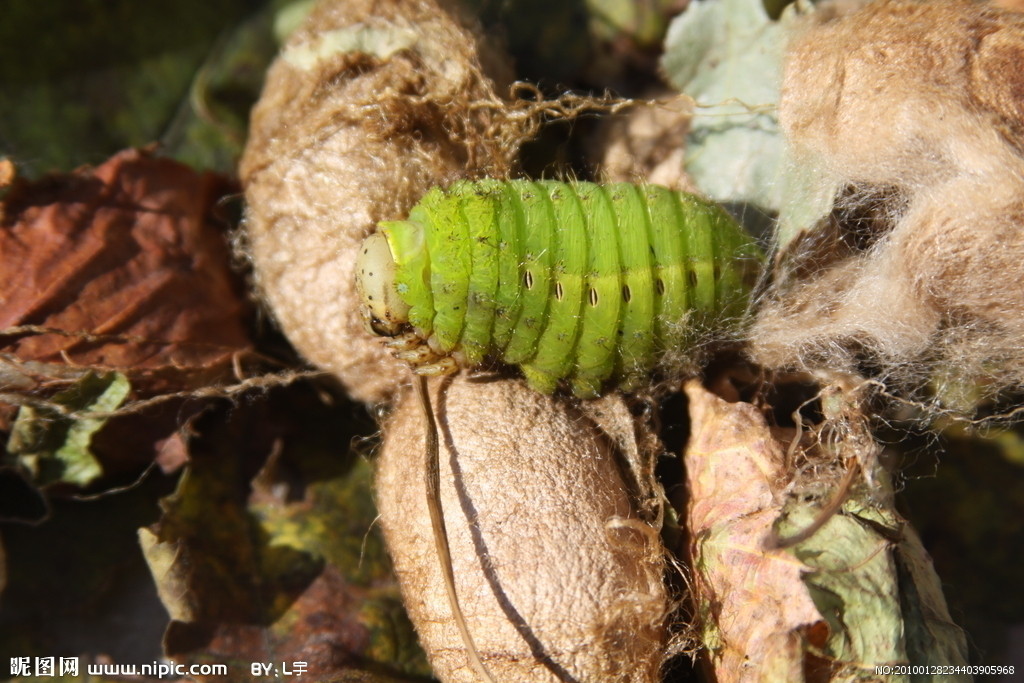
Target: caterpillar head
point(384, 311)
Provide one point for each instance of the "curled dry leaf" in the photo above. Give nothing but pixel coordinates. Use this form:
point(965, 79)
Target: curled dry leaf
point(858, 592)
point(56, 447)
point(368, 106)
point(121, 267)
point(557, 576)
point(753, 607)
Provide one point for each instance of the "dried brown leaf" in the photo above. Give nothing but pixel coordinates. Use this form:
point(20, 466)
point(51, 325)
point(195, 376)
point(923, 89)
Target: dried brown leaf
point(121, 267)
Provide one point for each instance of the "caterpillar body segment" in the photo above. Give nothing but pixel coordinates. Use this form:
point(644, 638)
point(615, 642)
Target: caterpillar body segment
point(671, 257)
point(536, 228)
point(578, 283)
point(479, 211)
point(598, 340)
point(407, 244)
point(450, 266)
point(564, 283)
point(511, 245)
point(636, 336)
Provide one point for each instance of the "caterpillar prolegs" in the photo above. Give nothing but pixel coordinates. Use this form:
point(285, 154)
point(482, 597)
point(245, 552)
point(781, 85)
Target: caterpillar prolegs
point(579, 283)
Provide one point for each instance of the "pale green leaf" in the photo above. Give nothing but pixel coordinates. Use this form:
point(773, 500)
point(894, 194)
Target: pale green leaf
point(808, 193)
point(56, 446)
point(873, 582)
point(727, 55)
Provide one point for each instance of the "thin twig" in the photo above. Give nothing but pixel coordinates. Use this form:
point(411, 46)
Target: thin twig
point(432, 478)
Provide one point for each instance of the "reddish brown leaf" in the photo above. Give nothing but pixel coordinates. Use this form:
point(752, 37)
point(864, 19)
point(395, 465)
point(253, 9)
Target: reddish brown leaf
point(123, 267)
point(323, 630)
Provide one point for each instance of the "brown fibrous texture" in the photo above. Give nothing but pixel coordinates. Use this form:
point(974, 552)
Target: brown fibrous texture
point(555, 548)
point(916, 109)
point(369, 105)
point(558, 575)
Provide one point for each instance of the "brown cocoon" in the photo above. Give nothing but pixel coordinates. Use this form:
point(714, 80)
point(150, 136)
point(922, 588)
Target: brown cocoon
point(906, 93)
point(370, 103)
point(558, 578)
point(914, 108)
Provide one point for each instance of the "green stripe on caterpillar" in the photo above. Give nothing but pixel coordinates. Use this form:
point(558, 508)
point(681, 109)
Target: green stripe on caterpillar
point(575, 282)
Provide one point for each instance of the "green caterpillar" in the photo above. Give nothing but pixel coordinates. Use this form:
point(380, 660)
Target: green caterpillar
point(573, 282)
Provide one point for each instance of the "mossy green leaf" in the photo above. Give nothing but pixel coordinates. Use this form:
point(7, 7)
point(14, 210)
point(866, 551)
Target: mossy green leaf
point(209, 128)
point(644, 23)
point(82, 79)
point(268, 546)
point(55, 445)
point(579, 43)
point(854, 585)
point(967, 503)
point(289, 17)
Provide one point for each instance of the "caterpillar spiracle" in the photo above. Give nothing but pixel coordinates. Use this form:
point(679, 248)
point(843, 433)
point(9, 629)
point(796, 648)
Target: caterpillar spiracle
point(577, 282)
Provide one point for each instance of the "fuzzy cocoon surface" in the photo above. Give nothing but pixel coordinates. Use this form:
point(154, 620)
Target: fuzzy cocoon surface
point(558, 578)
point(369, 105)
point(917, 110)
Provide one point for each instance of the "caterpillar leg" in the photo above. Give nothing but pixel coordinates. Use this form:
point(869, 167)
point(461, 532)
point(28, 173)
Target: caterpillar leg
point(417, 352)
point(539, 380)
point(403, 342)
point(443, 366)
